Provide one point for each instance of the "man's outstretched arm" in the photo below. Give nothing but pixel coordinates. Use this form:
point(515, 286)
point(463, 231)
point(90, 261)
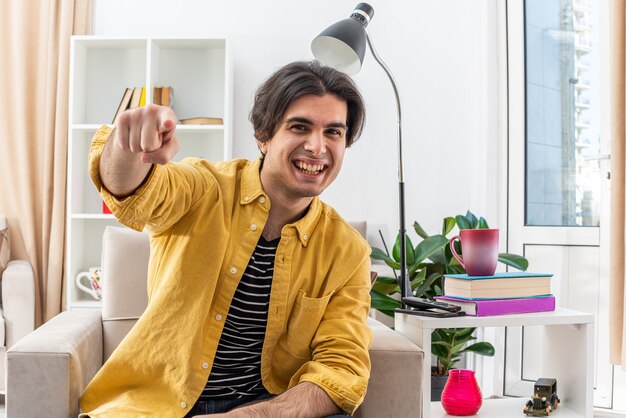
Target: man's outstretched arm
point(305, 400)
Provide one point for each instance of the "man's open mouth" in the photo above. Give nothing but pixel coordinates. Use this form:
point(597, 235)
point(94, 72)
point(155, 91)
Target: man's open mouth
point(309, 168)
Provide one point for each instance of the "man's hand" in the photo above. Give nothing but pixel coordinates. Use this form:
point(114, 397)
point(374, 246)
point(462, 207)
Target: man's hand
point(143, 136)
point(305, 400)
point(149, 131)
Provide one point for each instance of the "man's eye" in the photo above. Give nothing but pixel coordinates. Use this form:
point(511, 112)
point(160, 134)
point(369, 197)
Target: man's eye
point(299, 128)
point(334, 132)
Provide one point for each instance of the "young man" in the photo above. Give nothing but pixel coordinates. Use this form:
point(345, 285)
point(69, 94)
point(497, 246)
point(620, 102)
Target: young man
point(256, 288)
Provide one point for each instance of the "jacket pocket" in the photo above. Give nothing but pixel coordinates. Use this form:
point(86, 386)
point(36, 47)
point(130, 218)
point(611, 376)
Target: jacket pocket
point(306, 316)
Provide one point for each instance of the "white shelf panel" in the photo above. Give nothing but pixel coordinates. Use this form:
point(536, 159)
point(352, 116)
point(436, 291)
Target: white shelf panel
point(86, 127)
point(107, 42)
point(100, 216)
point(501, 408)
point(183, 128)
point(558, 317)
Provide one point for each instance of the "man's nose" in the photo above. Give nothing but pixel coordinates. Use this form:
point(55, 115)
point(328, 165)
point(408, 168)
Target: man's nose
point(316, 143)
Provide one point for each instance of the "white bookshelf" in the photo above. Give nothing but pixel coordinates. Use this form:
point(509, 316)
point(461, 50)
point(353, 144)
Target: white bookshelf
point(567, 356)
point(101, 68)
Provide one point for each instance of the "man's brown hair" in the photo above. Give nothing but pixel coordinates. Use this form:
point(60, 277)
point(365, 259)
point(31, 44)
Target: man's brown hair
point(298, 79)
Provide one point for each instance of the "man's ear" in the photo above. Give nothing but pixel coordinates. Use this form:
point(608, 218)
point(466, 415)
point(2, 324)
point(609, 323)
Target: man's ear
point(262, 146)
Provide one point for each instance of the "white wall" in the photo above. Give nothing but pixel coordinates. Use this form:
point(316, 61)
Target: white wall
point(442, 54)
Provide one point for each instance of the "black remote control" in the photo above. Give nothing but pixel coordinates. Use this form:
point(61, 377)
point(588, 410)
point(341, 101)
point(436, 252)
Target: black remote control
point(434, 313)
point(422, 303)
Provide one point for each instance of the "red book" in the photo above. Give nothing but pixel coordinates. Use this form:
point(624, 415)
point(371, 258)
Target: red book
point(492, 307)
point(105, 208)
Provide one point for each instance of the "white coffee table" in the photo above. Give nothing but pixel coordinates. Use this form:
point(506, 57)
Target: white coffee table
point(569, 359)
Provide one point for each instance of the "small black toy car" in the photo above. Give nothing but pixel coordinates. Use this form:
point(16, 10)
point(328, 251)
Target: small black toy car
point(544, 400)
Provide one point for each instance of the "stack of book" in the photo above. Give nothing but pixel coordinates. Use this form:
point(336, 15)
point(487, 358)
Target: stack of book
point(500, 294)
point(133, 97)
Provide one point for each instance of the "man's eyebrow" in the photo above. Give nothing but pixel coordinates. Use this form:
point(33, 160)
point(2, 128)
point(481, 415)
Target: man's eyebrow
point(305, 121)
point(337, 125)
point(299, 119)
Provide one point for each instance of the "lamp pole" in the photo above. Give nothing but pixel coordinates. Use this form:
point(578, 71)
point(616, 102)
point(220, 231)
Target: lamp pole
point(405, 285)
point(342, 45)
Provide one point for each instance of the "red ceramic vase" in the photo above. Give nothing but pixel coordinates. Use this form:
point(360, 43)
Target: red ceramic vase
point(461, 395)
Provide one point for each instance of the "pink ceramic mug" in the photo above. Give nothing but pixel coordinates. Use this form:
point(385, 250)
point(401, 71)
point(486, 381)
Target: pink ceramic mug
point(480, 251)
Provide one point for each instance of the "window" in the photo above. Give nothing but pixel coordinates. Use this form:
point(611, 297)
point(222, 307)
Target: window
point(562, 113)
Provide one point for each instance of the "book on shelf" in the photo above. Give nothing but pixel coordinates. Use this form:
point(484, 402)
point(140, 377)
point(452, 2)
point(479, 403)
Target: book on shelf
point(493, 307)
point(123, 103)
point(201, 121)
point(156, 95)
point(167, 96)
point(142, 98)
point(499, 286)
point(135, 98)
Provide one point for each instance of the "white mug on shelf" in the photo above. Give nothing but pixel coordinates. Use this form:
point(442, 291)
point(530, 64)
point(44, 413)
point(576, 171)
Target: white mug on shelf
point(93, 282)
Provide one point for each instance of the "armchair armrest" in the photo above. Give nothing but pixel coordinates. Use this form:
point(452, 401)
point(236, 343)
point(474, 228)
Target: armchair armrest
point(48, 369)
point(395, 381)
point(18, 300)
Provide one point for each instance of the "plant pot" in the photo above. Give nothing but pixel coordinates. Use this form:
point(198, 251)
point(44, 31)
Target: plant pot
point(437, 383)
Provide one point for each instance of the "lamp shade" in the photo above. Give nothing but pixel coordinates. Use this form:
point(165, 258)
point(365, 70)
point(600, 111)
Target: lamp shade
point(342, 45)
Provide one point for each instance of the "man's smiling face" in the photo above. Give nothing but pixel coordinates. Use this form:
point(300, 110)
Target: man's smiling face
point(306, 153)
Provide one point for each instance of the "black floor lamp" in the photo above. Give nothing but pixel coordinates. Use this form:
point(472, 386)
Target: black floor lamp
point(342, 46)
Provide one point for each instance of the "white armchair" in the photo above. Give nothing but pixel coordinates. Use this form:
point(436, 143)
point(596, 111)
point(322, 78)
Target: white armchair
point(49, 369)
point(17, 312)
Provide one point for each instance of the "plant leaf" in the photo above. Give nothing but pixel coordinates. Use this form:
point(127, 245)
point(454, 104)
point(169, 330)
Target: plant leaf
point(418, 279)
point(437, 335)
point(463, 222)
point(420, 231)
point(386, 285)
point(420, 292)
point(482, 223)
point(472, 219)
point(463, 332)
point(383, 302)
point(441, 343)
point(386, 280)
point(438, 291)
point(395, 252)
point(410, 251)
point(513, 260)
point(448, 225)
point(429, 246)
point(439, 256)
point(378, 254)
point(457, 350)
point(483, 348)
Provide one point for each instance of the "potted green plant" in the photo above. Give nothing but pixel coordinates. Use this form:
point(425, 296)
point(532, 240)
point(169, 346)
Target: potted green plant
point(427, 262)
point(448, 345)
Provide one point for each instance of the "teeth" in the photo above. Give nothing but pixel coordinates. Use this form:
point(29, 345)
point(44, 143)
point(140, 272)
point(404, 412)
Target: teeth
point(309, 168)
